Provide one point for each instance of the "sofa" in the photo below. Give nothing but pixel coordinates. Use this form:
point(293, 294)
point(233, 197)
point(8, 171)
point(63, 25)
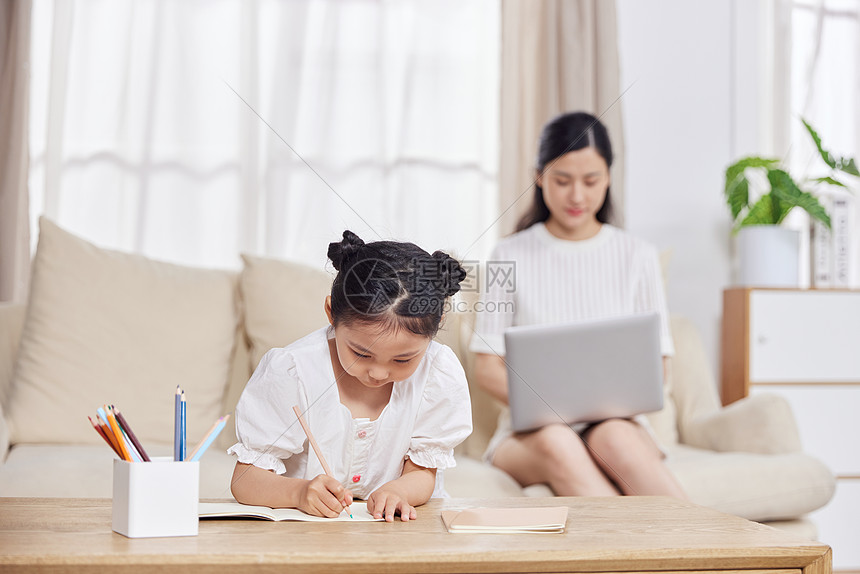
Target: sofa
point(104, 327)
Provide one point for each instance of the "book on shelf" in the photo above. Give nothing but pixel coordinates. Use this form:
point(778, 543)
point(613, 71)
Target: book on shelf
point(822, 250)
point(833, 251)
point(842, 221)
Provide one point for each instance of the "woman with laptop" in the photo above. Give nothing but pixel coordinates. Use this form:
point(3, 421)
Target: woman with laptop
point(572, 265)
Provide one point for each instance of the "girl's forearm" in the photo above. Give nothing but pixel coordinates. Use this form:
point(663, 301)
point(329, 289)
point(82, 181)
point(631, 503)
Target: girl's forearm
point(253, 485)
point(416, 484)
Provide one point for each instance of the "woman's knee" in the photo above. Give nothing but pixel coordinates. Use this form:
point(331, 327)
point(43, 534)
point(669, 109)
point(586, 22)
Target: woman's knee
point(559, 444)
point(618, 439)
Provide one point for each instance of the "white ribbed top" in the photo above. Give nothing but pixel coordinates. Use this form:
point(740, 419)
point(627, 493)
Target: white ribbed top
point(557, 281)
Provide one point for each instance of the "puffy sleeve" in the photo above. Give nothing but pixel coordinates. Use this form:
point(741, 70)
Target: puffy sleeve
point(265, 423)
point(495, 311)
point(650, 295)
point(444, 417)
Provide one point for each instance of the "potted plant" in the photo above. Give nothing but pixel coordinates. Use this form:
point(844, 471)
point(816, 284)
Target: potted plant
point(769, 252)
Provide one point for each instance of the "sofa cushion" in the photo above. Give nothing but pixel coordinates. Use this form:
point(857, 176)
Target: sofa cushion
point(753, 486)
point(86, 471)
point(109, 327)
point(283, 301)
point(475, 479)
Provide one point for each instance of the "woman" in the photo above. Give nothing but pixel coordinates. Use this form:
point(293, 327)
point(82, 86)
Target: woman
point(571, 265)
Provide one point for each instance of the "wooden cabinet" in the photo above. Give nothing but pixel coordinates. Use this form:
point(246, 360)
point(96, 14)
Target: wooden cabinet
point(805, 346)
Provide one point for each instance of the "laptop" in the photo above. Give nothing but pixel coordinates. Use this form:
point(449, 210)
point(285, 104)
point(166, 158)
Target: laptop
point(586, 371)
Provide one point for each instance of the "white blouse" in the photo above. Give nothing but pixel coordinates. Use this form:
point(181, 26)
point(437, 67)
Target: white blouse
point(552, 280)
point(427, 415)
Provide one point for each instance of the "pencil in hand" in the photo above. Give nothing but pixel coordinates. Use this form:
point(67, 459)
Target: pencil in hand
point(317, 450)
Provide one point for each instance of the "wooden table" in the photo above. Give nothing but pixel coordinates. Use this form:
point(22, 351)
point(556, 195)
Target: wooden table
point(626, 534)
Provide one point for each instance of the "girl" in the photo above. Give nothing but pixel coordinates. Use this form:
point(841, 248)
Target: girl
point(385, 402)
point(572, 265)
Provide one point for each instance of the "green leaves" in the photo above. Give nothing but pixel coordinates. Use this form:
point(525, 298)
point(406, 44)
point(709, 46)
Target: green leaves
point(784, 195)
point(830, 181)
point(843, 164)
point(784, 188)
point(766, 211)
point(772, 207)
point(737, 185)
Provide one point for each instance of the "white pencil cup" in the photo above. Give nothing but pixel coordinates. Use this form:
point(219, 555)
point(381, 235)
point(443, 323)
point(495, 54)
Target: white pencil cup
point(158, 498)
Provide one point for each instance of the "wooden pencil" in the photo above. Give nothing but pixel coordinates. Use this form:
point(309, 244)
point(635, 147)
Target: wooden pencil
point(315, 446)
point(109, 434)
point(104, 436)
point(206, 436)
point(131, 436)
point(118, 434)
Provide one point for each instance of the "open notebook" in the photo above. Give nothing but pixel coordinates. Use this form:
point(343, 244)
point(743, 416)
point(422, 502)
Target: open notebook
point(228, 509)
point(506, 520)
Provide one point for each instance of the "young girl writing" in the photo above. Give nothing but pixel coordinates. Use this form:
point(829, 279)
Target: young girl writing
point(386, 403)
point(571, 265)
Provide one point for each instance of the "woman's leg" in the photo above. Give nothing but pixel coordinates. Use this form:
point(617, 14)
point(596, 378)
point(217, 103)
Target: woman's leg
point(553, 455)
point(628, 455)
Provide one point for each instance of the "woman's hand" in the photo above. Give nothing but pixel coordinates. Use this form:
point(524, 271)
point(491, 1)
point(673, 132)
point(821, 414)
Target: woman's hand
point(387, 500)
point(323, 496)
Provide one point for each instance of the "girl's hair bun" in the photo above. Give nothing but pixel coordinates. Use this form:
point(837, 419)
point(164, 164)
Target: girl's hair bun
point(344, 250)
point(451, 273)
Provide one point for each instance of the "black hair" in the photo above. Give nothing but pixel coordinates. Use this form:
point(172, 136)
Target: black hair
point(391, 284)
point(566, 133)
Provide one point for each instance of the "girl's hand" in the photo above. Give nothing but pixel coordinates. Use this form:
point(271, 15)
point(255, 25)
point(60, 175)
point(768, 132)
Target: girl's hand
point(324, 496)
point(387, 500)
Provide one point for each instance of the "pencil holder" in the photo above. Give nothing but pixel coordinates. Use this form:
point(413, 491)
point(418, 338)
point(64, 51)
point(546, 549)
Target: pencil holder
point(158, 498)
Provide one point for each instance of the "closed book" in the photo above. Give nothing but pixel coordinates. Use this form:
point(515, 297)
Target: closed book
point(842, 231)
point(822, 250)
point(536, 520)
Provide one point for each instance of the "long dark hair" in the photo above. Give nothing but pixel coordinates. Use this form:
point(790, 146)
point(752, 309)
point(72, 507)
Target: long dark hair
point(391, 285)
point(566, 133)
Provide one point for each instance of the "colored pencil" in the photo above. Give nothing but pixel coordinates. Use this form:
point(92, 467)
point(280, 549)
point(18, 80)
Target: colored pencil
point(104, 436)
point(118, 434)
point(129, 446)
point(176, 424)
point(126, 428)
point(103, 416)
point(208, 439)
point(109, 434)
point(182, 427)
point(316, 447)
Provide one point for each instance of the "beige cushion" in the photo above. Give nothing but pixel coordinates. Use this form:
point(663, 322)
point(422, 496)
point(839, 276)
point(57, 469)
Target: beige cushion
point(475, 479)
point(753, 486)
point(283, 302)
point(762, 424)
point(109, 327)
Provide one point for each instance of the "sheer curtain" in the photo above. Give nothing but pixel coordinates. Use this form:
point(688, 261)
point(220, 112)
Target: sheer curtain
point(193, 131)
point(817, 77)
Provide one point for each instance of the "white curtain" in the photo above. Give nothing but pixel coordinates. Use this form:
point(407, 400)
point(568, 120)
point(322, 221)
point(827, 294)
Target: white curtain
point(817, 77)
point(192, 131)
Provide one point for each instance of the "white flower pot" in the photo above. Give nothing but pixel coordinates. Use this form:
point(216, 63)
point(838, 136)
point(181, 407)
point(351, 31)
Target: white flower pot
point(769, 256)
